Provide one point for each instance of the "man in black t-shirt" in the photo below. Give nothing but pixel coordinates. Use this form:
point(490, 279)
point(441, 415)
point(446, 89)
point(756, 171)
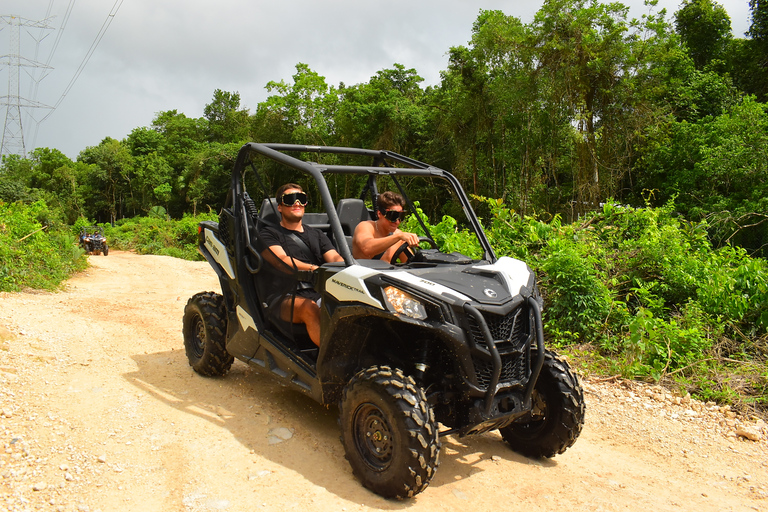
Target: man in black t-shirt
point(300, 248)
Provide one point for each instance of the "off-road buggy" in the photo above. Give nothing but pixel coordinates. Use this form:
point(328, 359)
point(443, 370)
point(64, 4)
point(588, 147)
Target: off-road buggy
point(443, 344)
point(93, 241)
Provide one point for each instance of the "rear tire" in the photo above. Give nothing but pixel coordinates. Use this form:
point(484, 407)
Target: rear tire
point(557, 417)
point(389, 432)
point(205, 328)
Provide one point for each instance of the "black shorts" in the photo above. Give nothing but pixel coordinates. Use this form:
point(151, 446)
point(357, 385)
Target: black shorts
point(308, 293)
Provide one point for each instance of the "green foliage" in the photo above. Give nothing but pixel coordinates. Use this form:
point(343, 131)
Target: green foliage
point(158, 235)
point(388, 112)
point(578, 296)
point(647, 288)
point(705, 28)
point(157, 212)
point(716, 168)
point(36, 250)
point(227, 122)
point(735, 288)
point(446, 233)
point(307, 106)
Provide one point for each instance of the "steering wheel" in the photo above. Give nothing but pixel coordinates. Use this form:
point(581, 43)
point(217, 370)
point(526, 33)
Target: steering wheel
point(410, 254)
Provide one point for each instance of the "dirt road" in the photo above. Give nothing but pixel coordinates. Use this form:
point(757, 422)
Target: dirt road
point(99, 410)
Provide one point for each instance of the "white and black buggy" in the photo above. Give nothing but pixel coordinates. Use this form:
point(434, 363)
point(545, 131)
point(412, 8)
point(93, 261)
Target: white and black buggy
point(443, 344)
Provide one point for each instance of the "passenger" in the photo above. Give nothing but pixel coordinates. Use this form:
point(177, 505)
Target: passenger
point(307, 253)
point(380, 239)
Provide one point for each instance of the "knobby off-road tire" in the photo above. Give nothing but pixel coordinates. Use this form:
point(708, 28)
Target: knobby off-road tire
point(557, 416)
point(106, 250)
point(205, 328)
point(389, 432)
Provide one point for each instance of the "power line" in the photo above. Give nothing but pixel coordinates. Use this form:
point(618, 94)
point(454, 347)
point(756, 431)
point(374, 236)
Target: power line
point(59, 33)
point(13, 133)
point(96, 41)
point(64, 21)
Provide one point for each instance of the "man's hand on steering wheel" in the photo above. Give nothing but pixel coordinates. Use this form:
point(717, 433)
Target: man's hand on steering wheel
point(412, 239)
point(410, 251)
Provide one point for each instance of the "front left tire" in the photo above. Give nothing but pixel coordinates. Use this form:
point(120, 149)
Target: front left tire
point(389, 432)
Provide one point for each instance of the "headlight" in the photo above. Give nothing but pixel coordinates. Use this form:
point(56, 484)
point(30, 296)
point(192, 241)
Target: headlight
point(404, 303)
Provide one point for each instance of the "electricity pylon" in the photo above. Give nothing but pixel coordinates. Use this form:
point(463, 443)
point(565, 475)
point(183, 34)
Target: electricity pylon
point(13, 131)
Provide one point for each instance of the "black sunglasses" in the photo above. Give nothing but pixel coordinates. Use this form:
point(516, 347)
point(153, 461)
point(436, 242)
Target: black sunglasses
point(290, 199)
point(393, 215)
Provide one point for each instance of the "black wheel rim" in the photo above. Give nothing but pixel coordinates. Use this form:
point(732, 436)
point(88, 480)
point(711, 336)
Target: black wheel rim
point(373, 436)
point(198, 341)
point(539, 416)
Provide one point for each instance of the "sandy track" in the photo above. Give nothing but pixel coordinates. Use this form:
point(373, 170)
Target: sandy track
point(99, 410)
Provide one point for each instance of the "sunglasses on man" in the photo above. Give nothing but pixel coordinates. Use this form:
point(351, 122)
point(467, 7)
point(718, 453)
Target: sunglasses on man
point(293, 197)
point(393, 215)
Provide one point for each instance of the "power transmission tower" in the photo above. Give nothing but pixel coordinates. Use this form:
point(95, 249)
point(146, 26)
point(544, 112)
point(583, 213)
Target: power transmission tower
point(13, 131)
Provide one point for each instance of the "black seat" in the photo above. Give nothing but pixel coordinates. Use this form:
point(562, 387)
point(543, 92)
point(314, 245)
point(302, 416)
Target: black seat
point(351, 212)
point(268, 211)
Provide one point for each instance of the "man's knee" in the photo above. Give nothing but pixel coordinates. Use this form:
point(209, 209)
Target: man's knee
point(308, 310)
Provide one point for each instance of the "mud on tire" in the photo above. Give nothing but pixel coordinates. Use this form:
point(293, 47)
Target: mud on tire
point(205, 328)
point(389, 432)
point(557, 416)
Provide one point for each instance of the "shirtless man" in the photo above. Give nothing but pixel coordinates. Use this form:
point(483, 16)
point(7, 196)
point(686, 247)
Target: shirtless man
point(380, 239)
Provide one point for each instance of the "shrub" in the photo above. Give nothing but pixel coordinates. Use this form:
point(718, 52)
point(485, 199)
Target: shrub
point(158, 235)
point(36, 250)
point(645, 287)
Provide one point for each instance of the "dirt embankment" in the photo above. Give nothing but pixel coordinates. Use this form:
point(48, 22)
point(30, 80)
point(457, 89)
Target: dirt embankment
point(99, 410)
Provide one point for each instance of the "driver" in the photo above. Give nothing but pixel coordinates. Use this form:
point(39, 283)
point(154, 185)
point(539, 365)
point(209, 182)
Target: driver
point(300, 247)
point(380, 238)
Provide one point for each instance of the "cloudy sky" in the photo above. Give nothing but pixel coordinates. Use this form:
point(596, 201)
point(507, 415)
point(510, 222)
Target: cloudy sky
point(149, 56)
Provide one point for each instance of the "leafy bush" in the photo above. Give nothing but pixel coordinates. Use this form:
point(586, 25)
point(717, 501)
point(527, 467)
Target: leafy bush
point(36, 250)
point(446, 233)
point(646, 288)
point(158, 235)
point(576, 289)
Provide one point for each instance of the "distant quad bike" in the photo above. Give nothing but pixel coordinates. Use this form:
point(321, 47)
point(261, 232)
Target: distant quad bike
point(410, 352)
point(93, 241)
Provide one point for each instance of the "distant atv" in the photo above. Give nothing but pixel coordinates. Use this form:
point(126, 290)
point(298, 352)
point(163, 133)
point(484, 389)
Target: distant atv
point(93, 241)
point(443, 344)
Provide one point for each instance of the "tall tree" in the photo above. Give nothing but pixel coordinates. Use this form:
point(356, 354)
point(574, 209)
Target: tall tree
point(584, 59)
point(110, 173)
point(705, 28)
point(227, 122)
point(153, 176)
point(307, 106)
point(758, 49)
point(758, 30)
point(387, 112)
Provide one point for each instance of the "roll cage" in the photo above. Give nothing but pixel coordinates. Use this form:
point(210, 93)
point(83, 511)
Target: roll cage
point(383, 164)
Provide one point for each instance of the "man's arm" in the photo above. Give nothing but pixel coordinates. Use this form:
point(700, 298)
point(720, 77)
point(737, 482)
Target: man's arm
point(279, 252)
point(367, 245)
point(332, 256)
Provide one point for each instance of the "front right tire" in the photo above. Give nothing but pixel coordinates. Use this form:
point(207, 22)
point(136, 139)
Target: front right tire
point(557, 416)
point(205, 328)
point(389, 432)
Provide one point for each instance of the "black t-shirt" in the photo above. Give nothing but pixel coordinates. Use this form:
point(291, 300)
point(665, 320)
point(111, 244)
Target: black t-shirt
point(316, 240)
